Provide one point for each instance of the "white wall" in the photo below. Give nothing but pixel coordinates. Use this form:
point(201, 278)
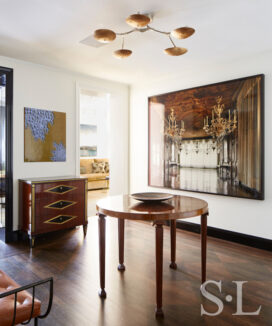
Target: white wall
point(240, 215)
point(42, 87)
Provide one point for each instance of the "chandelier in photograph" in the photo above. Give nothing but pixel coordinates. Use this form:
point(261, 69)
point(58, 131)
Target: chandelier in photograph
point(172, 130)
point(140, 23)
point(219, 126)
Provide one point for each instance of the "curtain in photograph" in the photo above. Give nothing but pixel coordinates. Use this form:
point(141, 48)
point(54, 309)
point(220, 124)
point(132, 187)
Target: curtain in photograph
point(249, 134)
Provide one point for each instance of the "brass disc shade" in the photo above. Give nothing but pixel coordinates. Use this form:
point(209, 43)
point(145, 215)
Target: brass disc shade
point(182, 32)
point(104, 35)
point(138, 20)
point(175, 51)
point(122, 53)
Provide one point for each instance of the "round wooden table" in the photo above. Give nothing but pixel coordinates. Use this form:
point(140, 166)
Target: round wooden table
point(125, 207)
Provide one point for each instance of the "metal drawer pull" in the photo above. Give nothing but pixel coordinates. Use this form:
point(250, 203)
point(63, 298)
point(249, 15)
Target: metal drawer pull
point(61, 204)
point(60, 219)
point(61, 189)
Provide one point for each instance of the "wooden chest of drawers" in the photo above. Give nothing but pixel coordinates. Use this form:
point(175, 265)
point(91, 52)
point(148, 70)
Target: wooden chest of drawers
point(47, 205)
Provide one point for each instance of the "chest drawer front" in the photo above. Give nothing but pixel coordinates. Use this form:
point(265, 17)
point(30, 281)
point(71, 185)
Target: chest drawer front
point(59, 190)
point(60, 202)
point(58, 222)
point(47, 218)
point(59, 205)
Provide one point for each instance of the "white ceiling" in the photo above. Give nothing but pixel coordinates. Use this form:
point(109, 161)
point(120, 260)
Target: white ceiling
point(49, 32)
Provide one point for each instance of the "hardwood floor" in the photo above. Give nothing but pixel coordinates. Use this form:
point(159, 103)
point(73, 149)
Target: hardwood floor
point(93, 197)
point(74, 264)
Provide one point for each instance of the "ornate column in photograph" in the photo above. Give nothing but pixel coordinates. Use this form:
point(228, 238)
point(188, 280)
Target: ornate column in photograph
point(173, 132)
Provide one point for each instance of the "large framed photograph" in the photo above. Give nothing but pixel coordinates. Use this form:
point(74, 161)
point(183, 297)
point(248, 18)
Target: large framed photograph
point(209, 139)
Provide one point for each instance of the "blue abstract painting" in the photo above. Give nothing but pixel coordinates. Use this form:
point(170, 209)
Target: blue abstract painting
point(59, 154)
point(45, 135)
point(38, 121)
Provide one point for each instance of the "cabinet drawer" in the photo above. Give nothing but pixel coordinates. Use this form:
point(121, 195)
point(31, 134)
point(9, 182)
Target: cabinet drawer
point(50, 219)
point(59, 189)
point(57, 222)
point(60, 202)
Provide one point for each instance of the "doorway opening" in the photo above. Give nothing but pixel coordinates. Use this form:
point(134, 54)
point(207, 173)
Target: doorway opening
point(94, 144)
point(6, 183)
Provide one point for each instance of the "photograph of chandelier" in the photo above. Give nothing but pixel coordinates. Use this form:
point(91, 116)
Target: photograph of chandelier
point(209, 139)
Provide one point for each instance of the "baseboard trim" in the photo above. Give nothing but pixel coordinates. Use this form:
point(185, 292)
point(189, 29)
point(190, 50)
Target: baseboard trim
point(12, 236)
point(244, 239)
point(241, 238)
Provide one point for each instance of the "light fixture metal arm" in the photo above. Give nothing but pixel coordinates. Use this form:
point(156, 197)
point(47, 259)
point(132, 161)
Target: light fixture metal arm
point(158, 31)
point(143, 29)
point(172, 40)
point(126, 33)
point(162, 32)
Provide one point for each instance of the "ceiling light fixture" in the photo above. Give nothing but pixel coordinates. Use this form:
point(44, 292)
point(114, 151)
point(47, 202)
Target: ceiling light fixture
point(104, 35)
point(122, 53)
point(140, 23)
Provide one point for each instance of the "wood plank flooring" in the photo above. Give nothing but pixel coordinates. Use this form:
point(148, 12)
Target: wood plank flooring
point(73, 262)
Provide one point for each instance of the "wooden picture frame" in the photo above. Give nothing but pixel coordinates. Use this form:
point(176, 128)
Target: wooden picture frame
point(209, 139)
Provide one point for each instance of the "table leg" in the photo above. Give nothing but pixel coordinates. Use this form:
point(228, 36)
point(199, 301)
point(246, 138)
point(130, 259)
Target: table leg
point(159, 268)
point(102, 240)
point(203, 246)
point(173, 264)
point(121, 236)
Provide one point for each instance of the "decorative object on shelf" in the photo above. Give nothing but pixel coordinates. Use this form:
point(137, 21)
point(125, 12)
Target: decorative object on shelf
point(226, 156)
point(44, 136)
point(220, 127)
point(140, 23)
point(151, 196)
point(52, 204)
